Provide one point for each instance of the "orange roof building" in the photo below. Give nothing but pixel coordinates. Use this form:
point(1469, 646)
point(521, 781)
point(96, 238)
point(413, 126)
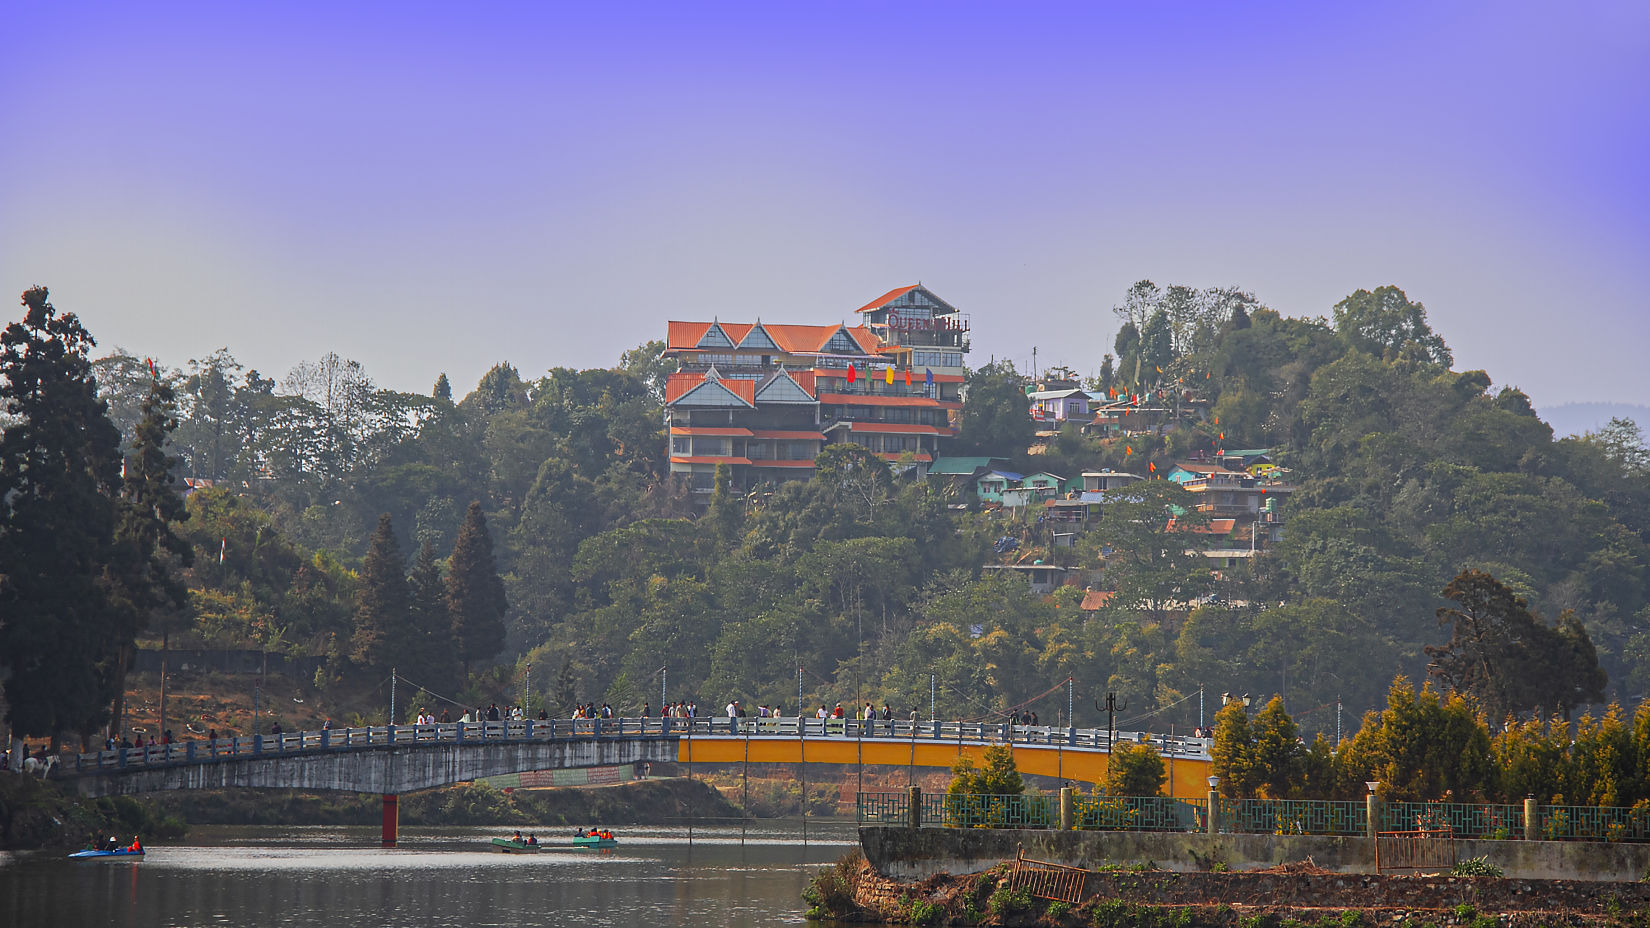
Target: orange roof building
point(765, 398)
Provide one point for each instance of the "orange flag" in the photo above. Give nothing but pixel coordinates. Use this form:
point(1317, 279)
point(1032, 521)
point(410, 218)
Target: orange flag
point(908, 376)
point(1127, 450)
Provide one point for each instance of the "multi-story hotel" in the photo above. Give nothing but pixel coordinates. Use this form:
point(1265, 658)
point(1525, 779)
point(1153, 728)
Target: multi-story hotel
point(764, 398)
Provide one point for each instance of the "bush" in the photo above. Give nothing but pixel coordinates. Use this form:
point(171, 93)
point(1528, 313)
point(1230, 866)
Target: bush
point(1475, 866)
point(830, 894)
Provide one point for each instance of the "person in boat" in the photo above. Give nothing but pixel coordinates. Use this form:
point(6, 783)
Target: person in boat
point(113, 845)
point(532, 839)
point(516, 837)
point(579, 833)
point(137, 847)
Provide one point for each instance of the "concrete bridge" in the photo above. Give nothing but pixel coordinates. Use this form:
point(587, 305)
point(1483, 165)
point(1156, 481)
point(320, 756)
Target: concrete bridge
point(396, 759)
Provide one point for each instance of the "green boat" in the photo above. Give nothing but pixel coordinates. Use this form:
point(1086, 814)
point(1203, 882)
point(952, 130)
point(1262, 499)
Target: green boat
point(595, 841)
point(511, 846)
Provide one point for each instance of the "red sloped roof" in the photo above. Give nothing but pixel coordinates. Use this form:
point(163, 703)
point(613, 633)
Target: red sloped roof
point(710, 432)
point(685, 334)
point(682, 383)
point(784, 435)
point(707, 459)
point(886, 298)
point(1094, 600)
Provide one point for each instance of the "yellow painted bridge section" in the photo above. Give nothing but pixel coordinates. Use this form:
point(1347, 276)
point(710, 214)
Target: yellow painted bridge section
point(1187, 776)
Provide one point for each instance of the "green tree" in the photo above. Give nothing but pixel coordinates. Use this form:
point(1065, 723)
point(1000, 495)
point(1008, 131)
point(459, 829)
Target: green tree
point(998, 775)
point(1134, 770)
point(1507, 659)
point(1387, 324)
point(443, 389)
point(142, 576)
point(431, 625)
point(1420, 747)
point(1233, 753)
point(384, 636)
point(59, 469)
point(995, 417)
point(475, 594)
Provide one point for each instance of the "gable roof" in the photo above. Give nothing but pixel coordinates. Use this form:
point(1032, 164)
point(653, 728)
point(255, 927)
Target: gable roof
point(683, 386)
point(898, 292)
point(887, 298)
point(1006, 474)
point(960, 466)
point(793, 339)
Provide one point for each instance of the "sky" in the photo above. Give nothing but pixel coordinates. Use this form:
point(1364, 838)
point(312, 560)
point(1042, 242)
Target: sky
point(438, 187)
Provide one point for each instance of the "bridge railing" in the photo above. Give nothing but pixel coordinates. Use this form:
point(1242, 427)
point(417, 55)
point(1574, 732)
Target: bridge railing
point(219, 749)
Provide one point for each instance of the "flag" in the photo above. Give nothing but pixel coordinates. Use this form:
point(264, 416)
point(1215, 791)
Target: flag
point(908, 376)
point(888, 376)
point(1222, 436)
point(152, 369)
point(928, 377)
point(1160, 370)
point(1154, 467)
point(852, 374)
point(223, 547)
point(1127, 450)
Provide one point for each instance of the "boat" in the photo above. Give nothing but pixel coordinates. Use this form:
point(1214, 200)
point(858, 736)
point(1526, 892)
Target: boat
point(90, 853)
point(595, 841)
point(512, 846)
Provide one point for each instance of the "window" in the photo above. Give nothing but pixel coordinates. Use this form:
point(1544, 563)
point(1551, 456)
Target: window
point(704, 480)
point(710, 447)
point(680, 445)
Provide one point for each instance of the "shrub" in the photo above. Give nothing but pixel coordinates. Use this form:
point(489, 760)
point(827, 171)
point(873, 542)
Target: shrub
point(830, 894)
point(1475, 866)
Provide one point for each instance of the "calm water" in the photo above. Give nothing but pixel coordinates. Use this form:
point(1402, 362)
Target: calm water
point(337, 877)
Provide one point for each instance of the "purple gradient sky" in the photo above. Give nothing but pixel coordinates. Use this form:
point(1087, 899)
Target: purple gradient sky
point(437, 187)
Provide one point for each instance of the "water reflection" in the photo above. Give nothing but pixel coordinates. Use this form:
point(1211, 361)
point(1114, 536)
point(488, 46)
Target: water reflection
point(439, 876)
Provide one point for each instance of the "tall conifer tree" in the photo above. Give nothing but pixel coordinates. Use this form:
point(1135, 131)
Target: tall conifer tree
point(383, 633)
point(142, 581)
point(432, 627)
point(59, 469)
point(475, 593)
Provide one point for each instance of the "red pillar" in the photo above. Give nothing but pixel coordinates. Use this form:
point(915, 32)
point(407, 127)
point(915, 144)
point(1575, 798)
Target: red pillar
point(392, 818)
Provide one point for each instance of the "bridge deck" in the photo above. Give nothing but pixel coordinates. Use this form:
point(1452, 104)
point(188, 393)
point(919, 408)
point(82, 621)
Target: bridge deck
point(1076, 754)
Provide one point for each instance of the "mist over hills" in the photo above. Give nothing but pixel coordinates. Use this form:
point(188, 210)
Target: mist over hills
point(1577, 418)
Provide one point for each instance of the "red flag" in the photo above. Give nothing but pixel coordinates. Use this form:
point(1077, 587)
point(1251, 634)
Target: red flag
point(1127, 450)
point(1154, 467)
point(152, 369)
point(908, 376)
point(852, 374)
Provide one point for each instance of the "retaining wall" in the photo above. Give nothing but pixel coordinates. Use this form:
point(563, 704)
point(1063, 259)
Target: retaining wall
point(912, 854)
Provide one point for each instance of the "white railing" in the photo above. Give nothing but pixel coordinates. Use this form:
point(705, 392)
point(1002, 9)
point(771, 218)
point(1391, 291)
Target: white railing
point(335, 739)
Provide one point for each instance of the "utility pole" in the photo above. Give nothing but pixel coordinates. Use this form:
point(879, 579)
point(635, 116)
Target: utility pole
point(931, 715)
point(1071, 702)
point(392, 695)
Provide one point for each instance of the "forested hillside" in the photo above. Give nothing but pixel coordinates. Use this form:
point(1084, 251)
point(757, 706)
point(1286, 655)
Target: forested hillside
point(327, 492)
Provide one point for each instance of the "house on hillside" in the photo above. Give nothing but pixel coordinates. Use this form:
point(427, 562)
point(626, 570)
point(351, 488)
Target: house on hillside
point(1220, 491)
point(764, 399)
point(990, 486)
point(1044, 578)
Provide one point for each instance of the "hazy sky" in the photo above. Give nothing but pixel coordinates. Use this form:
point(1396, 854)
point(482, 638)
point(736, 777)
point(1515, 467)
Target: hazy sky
point(437, 187)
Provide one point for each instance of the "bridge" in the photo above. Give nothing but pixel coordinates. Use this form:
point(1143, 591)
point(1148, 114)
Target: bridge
point(391, 760)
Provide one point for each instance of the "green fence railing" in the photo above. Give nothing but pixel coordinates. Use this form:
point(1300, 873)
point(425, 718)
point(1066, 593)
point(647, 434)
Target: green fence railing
point(1292, 817)
point(1594, 823)
point(1493, 821)
point(1138, 813)
point(1466, 820)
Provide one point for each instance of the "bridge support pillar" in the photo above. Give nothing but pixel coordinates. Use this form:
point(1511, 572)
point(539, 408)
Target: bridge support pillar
point(914, 806)
point(392, 818)
point(1068, 805)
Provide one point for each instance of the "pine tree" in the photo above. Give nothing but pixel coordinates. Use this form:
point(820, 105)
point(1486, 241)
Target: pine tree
point(432, 627)
point(383, 634)
point(59, 469)
point(142, 581)
point(443, 389)
point(475, 594)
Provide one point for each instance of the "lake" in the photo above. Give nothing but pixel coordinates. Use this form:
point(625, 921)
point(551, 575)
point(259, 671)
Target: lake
point(329, 876)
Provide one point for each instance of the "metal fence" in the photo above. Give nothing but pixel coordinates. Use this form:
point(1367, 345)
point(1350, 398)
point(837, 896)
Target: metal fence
point(1465, 820)
point(1139, 813)
point(1487, 821)
point(1291, 817)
